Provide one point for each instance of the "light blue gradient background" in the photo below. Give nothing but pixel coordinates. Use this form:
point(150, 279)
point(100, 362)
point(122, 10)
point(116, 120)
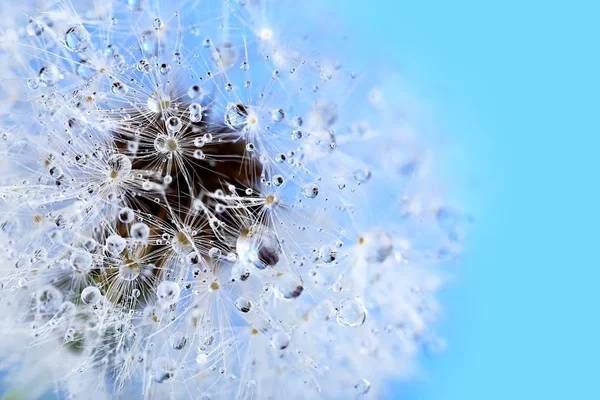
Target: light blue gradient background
point(515, 84)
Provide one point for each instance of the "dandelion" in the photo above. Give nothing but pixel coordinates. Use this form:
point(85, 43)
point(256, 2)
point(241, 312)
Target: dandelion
point(196, 202)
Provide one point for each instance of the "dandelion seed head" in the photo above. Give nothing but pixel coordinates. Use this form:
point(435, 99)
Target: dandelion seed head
point(199, 200)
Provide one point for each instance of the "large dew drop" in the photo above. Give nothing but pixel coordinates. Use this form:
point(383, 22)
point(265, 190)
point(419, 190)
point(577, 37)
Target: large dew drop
point(259, 246)
point(351, 313)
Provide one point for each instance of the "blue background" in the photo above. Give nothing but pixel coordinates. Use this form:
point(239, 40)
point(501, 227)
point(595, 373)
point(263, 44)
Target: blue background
point(515, 85)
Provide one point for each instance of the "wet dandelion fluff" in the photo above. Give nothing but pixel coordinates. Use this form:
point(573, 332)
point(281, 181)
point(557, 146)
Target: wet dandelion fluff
point(200, 201)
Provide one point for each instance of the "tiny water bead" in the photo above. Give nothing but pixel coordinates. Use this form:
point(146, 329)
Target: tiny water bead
point(328, 253)
point(119, 89)
point(280, 340)
point(310, 190)
point(90, 295)
point(351, 313)
point(194, 92)
point(243, 304)
point(362, 175)
point(277, 115)
point(362, 386)
point(168, 292)
point(77, 39)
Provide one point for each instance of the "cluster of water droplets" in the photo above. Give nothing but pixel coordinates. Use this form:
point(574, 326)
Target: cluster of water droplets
point(192, 211)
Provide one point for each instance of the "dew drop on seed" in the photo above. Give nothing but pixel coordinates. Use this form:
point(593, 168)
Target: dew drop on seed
point(258, 246)
point(351, 313)
point(90, 295)
point(277, 115)
point(235, 115)
point(49, 75)
point(243, 304)
point(280, 340)
point(139, 232)
point(178, 341)
point(174, 124)
point(195, 111)
point(126, 215)
point(77, 39)
point(115, 244)
point(117, 88)
point(362, 386)
point(33, 83)
point(81, 260)
point(119, 166)
point(310, 190)
point(328, 254)
point(168, 292)
point(199, 154)
point(194, 92)
point(362, 175)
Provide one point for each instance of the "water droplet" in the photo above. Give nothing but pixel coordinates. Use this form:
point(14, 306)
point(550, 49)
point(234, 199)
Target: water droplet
point(235, 115)
point(33, 83)
point(310, 190)
point(119, 89)
point(178, 341)
point(362, 175)
point(174, 124)
point(199, 154)
point(194, 92)
point(144, 67)
point(258, 246)
point(362, 386)
point(195, 110)
point(289, 287)
point(164, 69)
point(277, 115)
point(77, 39)
point(126, 215)
point(351, 313)
point(168, 292)
point(328, 254)
point(49, 75)
point(85, 70)
point(280, 340)
point(139, 232)
point(243, 304)
point(157, 24)
point(115, 244)
point(244, 66)
point(119, 166)
point(296, 135)
point(81, 260)
point(90, 295)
